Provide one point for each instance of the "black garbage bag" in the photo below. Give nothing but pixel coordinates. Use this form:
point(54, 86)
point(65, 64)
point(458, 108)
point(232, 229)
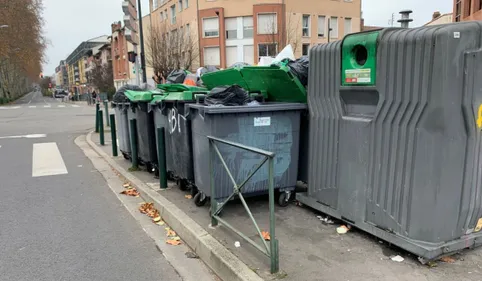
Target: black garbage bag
point(239, 65)
point(176, 76)
point(228, 96)
point(120, 95)
point(299, 68)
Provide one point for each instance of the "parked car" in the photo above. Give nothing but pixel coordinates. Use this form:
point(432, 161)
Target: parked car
point(60, 94)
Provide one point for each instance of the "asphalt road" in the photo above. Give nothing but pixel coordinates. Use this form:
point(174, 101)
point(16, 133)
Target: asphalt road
point(58, 218)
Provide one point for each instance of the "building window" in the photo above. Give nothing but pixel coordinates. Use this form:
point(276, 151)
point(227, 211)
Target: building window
point(347, 26)
point(165, 14)
point(179, 4)
point(306, 25)
point(231, 28)
point(211, 27)
point(458, 10)
point(334, 27)
point(267, 50)
point(479, 6)
point(211, 56)
point(186, 4)
point(173, 14)
point(267, 24)
point(321, 26)
point(467, 6)
point(154, 5)
point(188, 30)
point(162, 16)
point(304, 49)
point(231, 55)
point(247, 27)
point(248, 54)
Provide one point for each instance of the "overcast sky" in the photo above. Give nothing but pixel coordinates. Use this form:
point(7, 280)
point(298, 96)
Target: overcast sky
point(69, 22)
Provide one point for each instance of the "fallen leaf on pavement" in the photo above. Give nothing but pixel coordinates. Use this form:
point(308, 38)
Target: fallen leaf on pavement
point(265, 235)
point(171, 233)
point(160, 223)
point(176, 238)
point(188, 196)
point(173, 242)
point(432, 264)
point(156, 219)
point(448, 259)
point(131, 192)
point(342, 229)
point(145, 207)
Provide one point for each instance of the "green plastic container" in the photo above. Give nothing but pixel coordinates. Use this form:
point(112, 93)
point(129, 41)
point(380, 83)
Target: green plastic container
point(275, 83)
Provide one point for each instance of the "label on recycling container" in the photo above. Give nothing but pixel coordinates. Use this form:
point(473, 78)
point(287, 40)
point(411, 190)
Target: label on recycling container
point(358, 75)
point(262, 121)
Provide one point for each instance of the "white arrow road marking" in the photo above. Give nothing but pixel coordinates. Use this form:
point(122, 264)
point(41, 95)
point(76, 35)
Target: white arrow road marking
point(32, 106)
point(74, 105)
point(47, 161)
point(46, 106)
point(61, 105)
point(33, 136)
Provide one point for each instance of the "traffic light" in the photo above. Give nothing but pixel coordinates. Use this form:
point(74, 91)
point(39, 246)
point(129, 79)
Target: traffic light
point(131, 56)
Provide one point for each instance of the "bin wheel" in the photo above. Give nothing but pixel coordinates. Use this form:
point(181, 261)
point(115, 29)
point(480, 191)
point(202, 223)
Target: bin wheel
point(183, 184)
point(200, 199)
point(126, 157)
point(170, 176)
point(284, 199)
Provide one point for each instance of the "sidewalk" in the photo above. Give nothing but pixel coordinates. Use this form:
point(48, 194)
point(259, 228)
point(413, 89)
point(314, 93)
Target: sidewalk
point(309, 249)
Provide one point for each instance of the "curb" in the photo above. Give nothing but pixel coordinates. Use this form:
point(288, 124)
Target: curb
point(219, 259)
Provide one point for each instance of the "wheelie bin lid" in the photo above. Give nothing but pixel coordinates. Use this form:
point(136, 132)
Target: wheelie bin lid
point(231, 76)
point(169, 88)
point(275, 82)
point(141, 96)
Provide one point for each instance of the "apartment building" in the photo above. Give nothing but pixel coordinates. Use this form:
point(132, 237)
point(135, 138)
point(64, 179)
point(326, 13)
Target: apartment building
point(123, 70)
point(77, 61)
point(230, 31)
point(466, 10)
point(61, 78)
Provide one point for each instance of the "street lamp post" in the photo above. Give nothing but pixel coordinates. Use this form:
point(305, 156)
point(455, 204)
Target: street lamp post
point(141, 35)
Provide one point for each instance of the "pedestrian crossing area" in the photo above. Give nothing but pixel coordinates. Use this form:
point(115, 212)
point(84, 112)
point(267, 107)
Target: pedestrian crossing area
point(40, 106)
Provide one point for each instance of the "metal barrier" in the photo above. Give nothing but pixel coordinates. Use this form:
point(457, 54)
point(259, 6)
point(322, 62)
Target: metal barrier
point(272, 250)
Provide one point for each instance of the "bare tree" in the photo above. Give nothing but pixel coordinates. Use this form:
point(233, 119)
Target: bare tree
point(292, 33)
point(101, 76)
point(170, 47)
point(21, 46)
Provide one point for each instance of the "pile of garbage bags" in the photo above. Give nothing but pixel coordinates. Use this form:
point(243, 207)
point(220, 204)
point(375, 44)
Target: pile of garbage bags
point(120, 97)
point(228, 96)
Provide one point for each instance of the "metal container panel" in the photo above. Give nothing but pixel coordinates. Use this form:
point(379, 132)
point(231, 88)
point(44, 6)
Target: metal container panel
point(402, 159)
point(123, 128)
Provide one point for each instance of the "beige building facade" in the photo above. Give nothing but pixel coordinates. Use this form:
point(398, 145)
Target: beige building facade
point(230, 31)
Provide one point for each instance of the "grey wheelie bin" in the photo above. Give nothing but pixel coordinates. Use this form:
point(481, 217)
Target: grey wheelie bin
point(121, 111)
point(170, 112)
point(277, 84)
point(146, 140)
point(396, 135)
point(273, 127)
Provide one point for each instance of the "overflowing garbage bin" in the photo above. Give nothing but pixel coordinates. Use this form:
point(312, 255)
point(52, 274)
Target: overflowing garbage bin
point(170, 112)
point(273, 127)
point(395, 136)
point(121, 111)
point(276, 83)
point(146, 140)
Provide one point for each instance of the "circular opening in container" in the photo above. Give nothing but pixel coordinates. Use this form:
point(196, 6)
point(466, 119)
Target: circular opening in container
point(361, 54)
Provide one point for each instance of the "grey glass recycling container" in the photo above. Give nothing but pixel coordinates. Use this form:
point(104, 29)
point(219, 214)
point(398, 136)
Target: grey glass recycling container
point(273, 127)
point(146, 140)
point(395, 135)
point(121, 111)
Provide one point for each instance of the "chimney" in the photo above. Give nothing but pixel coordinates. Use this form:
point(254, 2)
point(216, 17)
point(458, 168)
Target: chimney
point(436, 14)
point(405, 19)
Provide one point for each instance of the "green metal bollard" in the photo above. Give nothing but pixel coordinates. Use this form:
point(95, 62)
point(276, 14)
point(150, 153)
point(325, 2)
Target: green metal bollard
point(113, 134)
point(101, 128)
point(161, 153)
point(106, 106)
point(97, 108)
point(135, 160)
